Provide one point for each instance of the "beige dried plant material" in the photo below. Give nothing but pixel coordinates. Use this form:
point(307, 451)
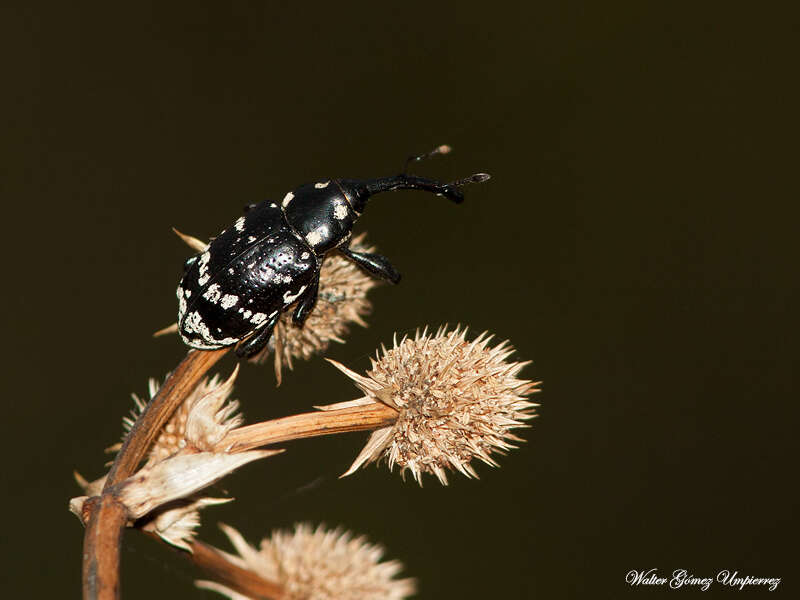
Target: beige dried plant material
point(456, 400)
point(188, 455)
point(179, 476)
point(204, 418)
point(191, 241)
point(318, 564)
point(90, 488)
point(177, 522)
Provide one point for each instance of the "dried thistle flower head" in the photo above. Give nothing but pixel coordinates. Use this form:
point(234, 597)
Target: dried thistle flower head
point(317, 564)
point(204, 418)
point(188, 455)
point(342, 300)
point(456, 400)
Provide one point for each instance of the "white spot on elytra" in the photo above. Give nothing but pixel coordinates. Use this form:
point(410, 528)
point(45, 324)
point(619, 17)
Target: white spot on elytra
point(239, 225)
point(339, 210)
point(288, 297)
point(213, 294)
point(314, 237)
point(194, 324)
point(251, 238)
point(202, 274)
point(228, 300)
point(258, 318)
point(181, 304)
point(304, 255)
point(322, 185)
point(272, 205)
point(286, 199)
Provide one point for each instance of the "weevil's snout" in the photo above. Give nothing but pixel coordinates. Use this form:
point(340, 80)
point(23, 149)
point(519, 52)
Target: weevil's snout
point(358, 192)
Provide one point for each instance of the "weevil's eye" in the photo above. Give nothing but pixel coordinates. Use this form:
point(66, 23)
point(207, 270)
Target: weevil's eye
point(354, 193)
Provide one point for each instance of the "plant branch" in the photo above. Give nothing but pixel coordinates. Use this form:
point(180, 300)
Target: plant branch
point(170, 396)
point(306, 425)
point(241, 580)
point(107, 517)
point(101, 550)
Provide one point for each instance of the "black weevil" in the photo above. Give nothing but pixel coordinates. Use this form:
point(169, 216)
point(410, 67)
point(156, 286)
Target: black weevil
point(237, 288)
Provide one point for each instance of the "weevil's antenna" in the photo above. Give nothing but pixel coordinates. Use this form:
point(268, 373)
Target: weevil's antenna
point(443, 149)
point(476, 178)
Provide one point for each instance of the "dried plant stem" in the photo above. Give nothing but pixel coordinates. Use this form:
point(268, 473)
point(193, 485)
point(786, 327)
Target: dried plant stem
point(170, 396)
point(105, 516)
point(214, 562)
point(305, 425)
point(101, 542)
point(242, 580)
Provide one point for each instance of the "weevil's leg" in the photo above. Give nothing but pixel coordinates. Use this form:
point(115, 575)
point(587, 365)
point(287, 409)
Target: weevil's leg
point(373, 263)
point(256, 342)
point(307, 301)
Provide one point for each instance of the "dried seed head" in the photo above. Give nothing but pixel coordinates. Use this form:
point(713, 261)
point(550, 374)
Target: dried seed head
point(185, 459)
point(342, 300)
point(318, 564)
point(204, 418)
point(456, 400)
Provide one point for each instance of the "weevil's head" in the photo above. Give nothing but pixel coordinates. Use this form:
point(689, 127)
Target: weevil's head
point(321, 213)
point(324, 213)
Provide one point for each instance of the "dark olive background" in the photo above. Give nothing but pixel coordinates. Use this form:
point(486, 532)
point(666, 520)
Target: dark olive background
point(635, 242)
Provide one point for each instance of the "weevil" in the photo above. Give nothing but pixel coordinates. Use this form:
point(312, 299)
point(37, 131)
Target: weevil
point(235, 291)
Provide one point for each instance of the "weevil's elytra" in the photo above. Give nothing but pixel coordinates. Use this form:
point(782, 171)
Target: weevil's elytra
point(237, 288)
